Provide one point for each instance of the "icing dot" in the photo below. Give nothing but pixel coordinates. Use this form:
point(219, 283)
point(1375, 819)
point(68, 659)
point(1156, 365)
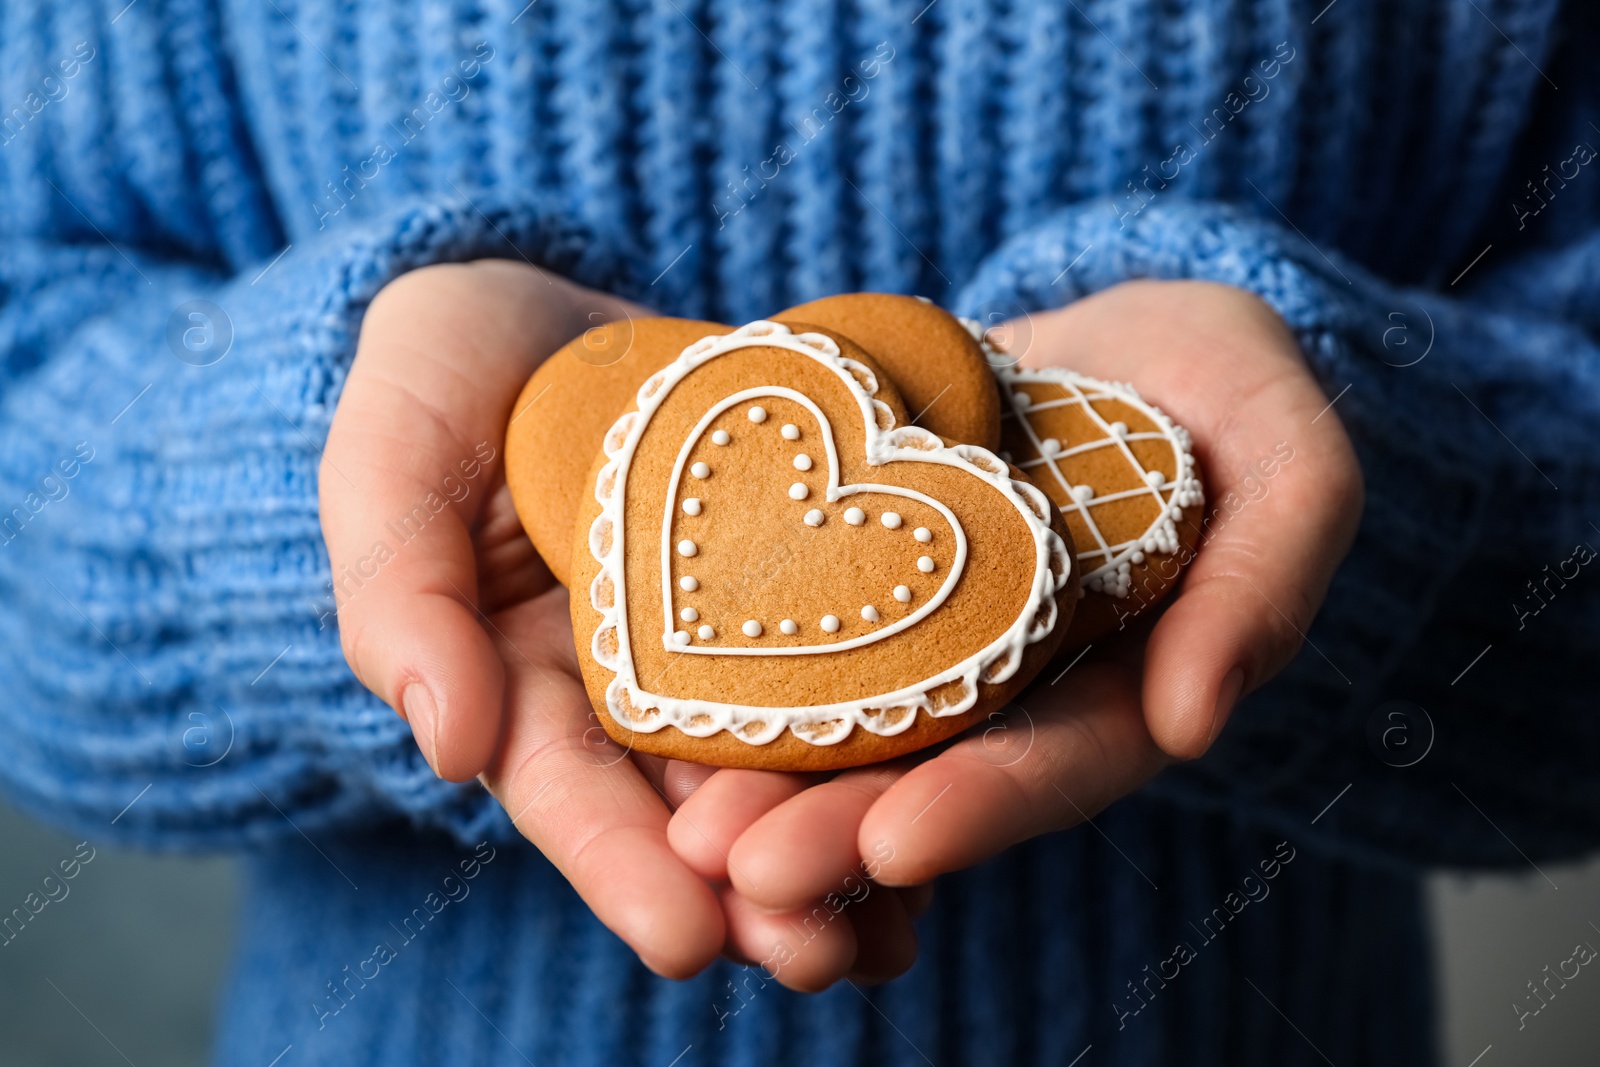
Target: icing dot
point(1150, 545)
point(751, 628)
point(903, 594)
point(814, 517)
point(688, 583)
point(720, 437)
point(1083, 493)
point(1155, 478)
point(700, 470)
point(923, 534)
point(925, 564)
point(691, 506)
point(1021, 399)
point(680, 637)
point(758, 414)
point(689, 615)
point(1119, 429)
point(707, 633)
point(891, 520)
point(788, 626)
point(869, 613)
point(855, 516)
point(1175, 511)
point(790, 432)
point(830, 624)
point(687, 548)
point(802, 462)
point(1137, 557)
point(1050, 446)
point(798, 491)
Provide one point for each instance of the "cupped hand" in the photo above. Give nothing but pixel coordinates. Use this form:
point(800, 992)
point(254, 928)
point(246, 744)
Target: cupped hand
point(1223, 365)
point(447, 613)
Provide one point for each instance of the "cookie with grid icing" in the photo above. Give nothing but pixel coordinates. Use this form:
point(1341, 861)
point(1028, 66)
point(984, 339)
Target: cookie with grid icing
point(1125, 478)
point(772, 568)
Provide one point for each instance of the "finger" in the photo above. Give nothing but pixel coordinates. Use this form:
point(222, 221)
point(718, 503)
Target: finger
point(805, 847)
point(886, 943)
point(682, 780)
point(411, 455)
point(579, 798)
point(707, 823)
point(806, 950)
point(1090, 746)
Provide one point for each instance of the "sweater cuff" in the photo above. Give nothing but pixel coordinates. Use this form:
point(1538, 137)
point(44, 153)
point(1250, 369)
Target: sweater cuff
point(167, 623)
point(1294, 745)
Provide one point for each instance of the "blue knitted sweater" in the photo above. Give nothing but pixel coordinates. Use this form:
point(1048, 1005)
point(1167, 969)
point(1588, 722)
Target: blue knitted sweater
point(1412, 185)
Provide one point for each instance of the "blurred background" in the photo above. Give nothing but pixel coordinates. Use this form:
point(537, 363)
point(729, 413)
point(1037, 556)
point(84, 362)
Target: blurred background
point(126, 968)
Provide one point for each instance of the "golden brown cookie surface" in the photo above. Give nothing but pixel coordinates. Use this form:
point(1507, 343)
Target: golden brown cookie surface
point(932, 357)
point(771, 570)
point(1124, 476)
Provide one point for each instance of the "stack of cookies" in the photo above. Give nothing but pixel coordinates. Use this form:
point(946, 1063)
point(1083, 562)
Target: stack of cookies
point(837, 536)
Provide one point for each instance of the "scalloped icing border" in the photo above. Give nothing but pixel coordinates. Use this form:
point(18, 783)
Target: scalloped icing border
point(884, 714)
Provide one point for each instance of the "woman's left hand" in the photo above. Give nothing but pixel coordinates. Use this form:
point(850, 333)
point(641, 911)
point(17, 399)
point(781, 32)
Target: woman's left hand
point(1224, 365)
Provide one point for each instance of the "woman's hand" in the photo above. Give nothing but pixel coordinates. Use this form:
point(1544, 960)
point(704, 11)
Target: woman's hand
point(1223, 365)
point(447, 613)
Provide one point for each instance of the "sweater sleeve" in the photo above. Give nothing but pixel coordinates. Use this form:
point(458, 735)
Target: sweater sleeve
point(167, 634)
point(1441, 711)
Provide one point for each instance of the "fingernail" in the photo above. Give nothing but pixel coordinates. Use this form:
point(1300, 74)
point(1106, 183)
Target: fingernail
point(1227, 696)
point(422, 712)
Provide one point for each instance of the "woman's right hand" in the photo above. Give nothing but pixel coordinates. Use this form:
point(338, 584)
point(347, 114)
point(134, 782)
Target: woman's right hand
point(458, 624)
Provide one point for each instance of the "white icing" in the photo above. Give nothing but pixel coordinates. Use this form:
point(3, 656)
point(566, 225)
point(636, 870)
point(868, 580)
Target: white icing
point(790, 432)
point(1110, 575)
point(870, 613)
point(632, 704)
point(691, 505)
point(689, 615)
point(814, 517)
point(1050, 446)
point(688, 583)
point(923, 534)
point(751, 628)
point(700, 470)
point(680, 637)
point(720, 437)
point(802, 462)
point(855, 516)
point(798, 491)
point(788, 626)
point(687, 548)
point(758, 414)
point(902, 593)
point(891, 520)
point(925, 564)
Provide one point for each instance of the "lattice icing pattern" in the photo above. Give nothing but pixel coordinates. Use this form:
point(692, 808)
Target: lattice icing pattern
point(722, 485)
point(1107, 457)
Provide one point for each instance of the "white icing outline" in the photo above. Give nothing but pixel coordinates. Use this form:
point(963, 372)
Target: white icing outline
point(1112, 577)
point(822, 724)
point(833, 494)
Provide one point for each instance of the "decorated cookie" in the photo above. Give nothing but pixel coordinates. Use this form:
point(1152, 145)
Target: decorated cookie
point(773, 569)
point(1123, 475)
point(936, 363)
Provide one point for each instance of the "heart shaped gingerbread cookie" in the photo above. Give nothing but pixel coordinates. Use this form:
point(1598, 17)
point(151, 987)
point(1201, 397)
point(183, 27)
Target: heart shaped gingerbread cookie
point(773, 570)
point(1124, 476)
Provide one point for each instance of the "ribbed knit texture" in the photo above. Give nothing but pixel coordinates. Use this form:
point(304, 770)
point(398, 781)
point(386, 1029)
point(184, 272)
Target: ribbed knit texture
point(169, 601)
